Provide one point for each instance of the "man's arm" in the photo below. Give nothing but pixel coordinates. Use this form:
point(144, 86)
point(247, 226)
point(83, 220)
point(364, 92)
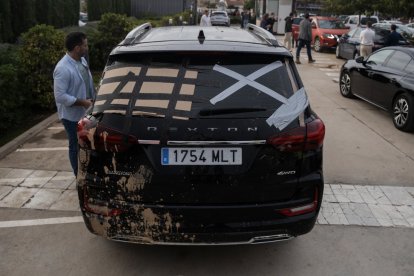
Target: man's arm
point(61, 80)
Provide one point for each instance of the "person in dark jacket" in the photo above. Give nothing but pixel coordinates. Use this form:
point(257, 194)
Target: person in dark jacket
point(265, 21)
point(288, 32)
point(394, 38)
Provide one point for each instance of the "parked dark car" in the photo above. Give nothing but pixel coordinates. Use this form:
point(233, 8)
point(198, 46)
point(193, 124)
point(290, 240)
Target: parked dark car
point(384, 79)
point(187, 143)
point(219, 18)
point(348, 44)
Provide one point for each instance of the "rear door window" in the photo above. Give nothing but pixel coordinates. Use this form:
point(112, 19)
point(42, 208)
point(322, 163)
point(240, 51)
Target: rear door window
point(185, 84)
point(379, 57)
point(398, 60)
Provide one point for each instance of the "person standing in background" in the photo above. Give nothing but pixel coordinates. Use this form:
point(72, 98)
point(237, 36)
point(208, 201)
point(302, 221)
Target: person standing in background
point(270, 22)
point(245, 18)
point(305, 38)
point(394, 37)
point(73, 90)
point(205, 20)
point(367, 40)
point(288, 32)
point(265, 21)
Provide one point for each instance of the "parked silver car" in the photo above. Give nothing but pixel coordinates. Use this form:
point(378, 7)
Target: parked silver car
point(220, 18)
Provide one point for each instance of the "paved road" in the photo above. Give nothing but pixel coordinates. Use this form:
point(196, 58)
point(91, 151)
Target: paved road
point(366, 225)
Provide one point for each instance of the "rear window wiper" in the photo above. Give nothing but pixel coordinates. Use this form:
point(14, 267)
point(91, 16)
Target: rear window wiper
point(223, 111)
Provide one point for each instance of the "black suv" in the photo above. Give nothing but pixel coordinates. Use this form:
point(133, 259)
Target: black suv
point(200, 136)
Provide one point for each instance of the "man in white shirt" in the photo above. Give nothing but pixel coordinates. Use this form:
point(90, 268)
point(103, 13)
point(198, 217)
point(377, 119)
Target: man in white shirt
point(205, 20)
point(367, 40)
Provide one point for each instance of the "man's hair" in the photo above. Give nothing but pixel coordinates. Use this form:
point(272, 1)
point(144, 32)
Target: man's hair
point(393, 27)
point(291, 14)
point(306, 15)
point(369, 24)
point(74, 39)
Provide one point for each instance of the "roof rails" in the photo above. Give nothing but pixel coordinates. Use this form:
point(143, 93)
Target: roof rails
point(134, 35)
point(263, 34)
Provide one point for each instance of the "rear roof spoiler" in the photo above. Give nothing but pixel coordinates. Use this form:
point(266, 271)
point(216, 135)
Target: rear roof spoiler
point(262, 34)
point(136, 34)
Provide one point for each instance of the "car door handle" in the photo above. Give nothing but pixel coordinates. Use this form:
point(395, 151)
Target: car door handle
point(370, 74)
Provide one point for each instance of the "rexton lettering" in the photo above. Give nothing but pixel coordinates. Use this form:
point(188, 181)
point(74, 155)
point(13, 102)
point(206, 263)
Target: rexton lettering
point(212, 129)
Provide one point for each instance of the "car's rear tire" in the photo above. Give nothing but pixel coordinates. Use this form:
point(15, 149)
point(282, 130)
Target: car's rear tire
point(403, 113)
point(345, 85)
point(337, 52)
point(317, 45)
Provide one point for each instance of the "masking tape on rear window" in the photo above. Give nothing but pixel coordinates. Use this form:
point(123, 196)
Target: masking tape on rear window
point(118, 72)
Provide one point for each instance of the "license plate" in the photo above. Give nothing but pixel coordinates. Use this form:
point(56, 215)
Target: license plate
point(201, 156)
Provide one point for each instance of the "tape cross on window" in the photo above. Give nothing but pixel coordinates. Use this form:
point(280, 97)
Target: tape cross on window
point(291, 107)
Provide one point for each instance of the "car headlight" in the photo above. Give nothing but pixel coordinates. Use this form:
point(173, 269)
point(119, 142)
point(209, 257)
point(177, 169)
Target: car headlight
point(330, 36)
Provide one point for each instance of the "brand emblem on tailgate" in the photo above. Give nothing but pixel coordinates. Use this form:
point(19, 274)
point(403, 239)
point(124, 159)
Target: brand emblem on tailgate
point(286, 172)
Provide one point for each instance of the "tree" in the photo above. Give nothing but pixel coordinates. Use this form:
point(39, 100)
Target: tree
point(42, 47)
point(24, 15)
point(249, 4)
point(6, 32)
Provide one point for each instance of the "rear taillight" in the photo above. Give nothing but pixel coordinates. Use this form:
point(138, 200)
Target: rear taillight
point(302, 209)
point(97, 137)
point(308, 137)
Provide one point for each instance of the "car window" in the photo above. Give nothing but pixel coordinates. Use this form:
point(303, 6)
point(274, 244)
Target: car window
point(331, 24)
point(357, 32)
point(410, 67)
point(398, 60)
point(297, 21)
point(364, 20)
point(203, 77)
point(351, 32)
point(379, 57)
point(219, 13)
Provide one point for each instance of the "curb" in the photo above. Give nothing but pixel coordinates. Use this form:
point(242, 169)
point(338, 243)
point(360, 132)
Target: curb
point(22, 138)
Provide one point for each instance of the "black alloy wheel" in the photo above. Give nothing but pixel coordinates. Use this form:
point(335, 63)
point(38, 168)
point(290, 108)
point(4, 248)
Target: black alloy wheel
point(403, 115)
point(345, 85)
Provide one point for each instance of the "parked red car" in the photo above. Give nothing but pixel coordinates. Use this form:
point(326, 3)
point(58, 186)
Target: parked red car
point(295, 29)
point(326, 31)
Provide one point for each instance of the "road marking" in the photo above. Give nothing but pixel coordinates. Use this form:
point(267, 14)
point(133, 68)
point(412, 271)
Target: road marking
point(35, 222)
point(54, 128)
point(42, 149)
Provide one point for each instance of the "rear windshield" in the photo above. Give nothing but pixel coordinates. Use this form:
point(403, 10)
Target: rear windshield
point(189, 85)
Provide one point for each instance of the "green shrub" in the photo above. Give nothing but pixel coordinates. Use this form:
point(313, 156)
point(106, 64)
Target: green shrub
point(112, 29)
point(8, 53)
point(13, 101)
point(42, 48)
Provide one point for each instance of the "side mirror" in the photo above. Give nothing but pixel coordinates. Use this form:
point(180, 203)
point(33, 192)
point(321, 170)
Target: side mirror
point(359, 60)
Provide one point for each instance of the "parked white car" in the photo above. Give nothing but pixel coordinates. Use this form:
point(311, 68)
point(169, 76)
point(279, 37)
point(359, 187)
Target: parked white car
point(219, 18)
point(352, 21)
